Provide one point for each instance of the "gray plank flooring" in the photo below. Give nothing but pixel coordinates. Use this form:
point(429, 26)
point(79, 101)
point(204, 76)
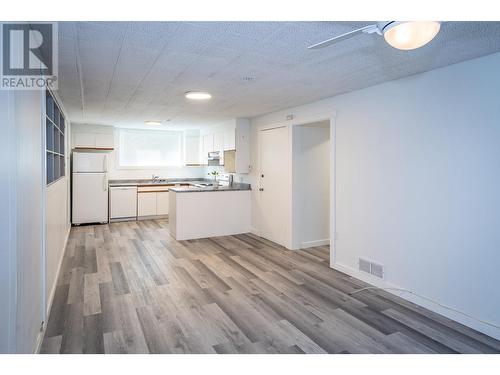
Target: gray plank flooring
point(131, 288)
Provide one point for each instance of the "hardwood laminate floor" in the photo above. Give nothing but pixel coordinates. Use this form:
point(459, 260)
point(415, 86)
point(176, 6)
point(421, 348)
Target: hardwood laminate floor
point(131, 288)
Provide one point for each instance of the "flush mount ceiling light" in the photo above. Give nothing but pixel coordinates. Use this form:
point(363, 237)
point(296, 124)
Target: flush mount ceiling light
point(152, 123)
point(405, 35)
point(198, 95)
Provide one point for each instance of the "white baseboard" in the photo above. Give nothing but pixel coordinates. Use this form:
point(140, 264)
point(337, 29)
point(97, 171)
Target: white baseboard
point(255, 231)
point(139, 218)
point(308, 244)
point(462, 319)
point(51, 296)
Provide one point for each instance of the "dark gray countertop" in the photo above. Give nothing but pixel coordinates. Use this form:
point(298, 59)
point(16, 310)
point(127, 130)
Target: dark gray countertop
point(181, 189)
point(163, 182)
point(193, 189)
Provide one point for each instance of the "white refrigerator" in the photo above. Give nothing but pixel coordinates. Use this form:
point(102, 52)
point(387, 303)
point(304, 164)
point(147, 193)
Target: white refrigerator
point(90, 188)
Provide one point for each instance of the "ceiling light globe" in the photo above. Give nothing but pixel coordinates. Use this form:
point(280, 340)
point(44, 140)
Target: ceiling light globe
point(410, 35)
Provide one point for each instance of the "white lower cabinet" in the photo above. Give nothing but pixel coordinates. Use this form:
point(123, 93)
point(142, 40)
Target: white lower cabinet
point(146, 204)
point(162, 203)
point(122, 202)
point(151, 202)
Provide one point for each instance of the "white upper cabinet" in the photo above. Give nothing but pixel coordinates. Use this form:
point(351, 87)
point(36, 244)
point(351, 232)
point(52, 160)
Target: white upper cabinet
point(207, 146)
point(229, 139)
point(93, 140)
point(104, 140)
point(219, 142)
point(233, 136)
point(192, 147)
point(242, 157)
point(84, 140)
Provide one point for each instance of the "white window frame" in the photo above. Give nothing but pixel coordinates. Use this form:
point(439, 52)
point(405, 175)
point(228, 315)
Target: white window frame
point(118, 166)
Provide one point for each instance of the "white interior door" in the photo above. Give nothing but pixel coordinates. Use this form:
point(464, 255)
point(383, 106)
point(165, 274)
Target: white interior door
point(274, 184)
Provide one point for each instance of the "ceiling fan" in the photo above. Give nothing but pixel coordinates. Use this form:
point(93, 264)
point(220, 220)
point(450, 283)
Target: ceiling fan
point(404, 35)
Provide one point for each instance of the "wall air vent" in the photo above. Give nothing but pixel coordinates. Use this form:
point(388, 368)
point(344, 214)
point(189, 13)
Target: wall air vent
point(373, 268)
point(377, 270)
point(364, 265)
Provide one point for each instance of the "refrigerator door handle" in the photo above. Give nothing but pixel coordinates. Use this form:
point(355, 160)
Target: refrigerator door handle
point(104, 183)
point(105, 163)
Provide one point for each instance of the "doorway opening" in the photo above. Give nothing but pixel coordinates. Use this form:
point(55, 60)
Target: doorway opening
point(311, 185)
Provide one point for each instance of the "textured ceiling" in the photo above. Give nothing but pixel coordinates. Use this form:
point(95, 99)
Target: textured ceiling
point(122, 73)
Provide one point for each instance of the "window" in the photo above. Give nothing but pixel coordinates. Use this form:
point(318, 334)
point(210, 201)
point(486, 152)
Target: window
point(55, 127)
point(144, 148)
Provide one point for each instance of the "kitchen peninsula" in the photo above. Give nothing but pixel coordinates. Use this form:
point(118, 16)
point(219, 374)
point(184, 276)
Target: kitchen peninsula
point(199, 212)
point(195, 207)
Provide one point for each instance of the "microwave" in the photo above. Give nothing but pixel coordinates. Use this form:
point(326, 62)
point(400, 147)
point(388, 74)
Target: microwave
point(214, 158)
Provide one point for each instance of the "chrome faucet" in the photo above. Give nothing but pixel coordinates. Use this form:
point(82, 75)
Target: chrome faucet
point(155, 178)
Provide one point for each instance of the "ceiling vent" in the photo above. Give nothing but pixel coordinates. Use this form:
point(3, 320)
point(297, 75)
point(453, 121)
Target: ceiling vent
point(373, 268)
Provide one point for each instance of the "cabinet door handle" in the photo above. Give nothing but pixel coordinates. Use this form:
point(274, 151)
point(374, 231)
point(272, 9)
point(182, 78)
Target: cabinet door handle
point(261, 189)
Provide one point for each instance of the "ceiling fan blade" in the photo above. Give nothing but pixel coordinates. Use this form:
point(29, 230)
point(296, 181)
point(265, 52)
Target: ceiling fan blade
point(367, 29)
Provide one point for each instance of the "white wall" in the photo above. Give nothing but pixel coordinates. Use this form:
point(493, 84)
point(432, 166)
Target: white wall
point(116, 172)
point(29, 189)
point(417, 170)
point(26, 273)
point(8, 280)
point(57, 227)
point(311, 185)
point(21, 260)
point(57, 220)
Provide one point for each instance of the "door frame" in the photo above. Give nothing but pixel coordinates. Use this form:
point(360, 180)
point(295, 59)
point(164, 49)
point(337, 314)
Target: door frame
point(302, 120)
point(331, 117)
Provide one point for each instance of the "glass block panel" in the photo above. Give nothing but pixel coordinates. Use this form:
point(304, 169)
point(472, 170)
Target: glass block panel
point(61, 143)
point(56, 114)
point(62, 123)
point(61, 166)
point(56, 140)
point(50, 167)
point(56, 167)
point(49, 131)
point(49, 105)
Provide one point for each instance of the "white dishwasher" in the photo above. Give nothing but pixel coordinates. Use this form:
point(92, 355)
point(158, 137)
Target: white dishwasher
point(122, 203)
